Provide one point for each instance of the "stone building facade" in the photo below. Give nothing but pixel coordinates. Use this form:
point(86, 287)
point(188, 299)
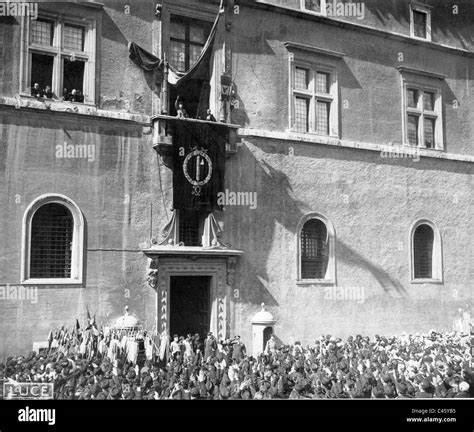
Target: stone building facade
point(348, 203)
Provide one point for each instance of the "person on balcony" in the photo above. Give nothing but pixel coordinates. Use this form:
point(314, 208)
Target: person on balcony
point(181, 112)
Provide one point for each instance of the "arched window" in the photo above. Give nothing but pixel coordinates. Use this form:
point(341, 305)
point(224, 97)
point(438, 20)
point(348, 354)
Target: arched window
point(316, 250)
point(426, 252)
point(52, 251)
point(51, 242)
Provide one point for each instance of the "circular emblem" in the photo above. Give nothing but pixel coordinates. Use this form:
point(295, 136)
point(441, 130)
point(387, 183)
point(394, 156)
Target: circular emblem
point(199, 158)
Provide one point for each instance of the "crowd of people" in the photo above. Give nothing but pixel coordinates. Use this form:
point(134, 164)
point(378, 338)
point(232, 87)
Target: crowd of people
point(85, 364)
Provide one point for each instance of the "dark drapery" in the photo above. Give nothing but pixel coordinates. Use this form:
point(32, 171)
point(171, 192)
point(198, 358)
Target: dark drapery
point(143, 59)
point(198, 179)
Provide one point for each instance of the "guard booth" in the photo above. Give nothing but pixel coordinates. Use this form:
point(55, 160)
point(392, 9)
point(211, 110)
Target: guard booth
point(262, 329)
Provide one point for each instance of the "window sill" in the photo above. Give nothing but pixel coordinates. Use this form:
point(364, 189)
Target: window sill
point(320, 282)
point(434, 150)
point(427, 281)
point(57, 101)
point(313, 134)
point(52, 282)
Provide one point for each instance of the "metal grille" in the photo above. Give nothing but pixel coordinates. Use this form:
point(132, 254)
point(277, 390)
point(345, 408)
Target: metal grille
point(42, 32)
point(51, 242)
point(314, 250)
point(419, 23)
point(189, 232)
point(322, 117)
point(313, 5)
point(423, 252)
point(301, 78)
point(412, 98)
point(413, 130)
point(73, 38)
point(322, 82)
point(429, 133)
point(301, 114)
point(428, 101)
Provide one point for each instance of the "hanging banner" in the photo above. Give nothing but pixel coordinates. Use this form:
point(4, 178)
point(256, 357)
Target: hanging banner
point(198, 164)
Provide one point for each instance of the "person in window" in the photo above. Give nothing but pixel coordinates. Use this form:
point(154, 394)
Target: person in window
point(74, 96)
point(36, 91)
point(48, 92)
point(209, 116)
point(181, 112)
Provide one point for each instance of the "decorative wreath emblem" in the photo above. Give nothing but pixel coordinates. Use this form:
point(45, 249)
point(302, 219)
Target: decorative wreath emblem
point(201, 158)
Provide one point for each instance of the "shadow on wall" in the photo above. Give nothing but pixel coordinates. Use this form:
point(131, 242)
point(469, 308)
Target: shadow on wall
point(238, 113)
point(278, 190)
point(443, 21)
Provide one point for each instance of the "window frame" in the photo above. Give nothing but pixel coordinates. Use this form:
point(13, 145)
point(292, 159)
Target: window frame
point(323, 11)
point(187, 39)
point(422, 85)
point(77, 255)
point(330, 277)
point(314, 96)
point(421, 8)
point(437, 256)
point(88, 55)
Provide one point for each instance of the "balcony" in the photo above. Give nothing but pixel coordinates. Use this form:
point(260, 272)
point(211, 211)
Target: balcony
point(162, 135)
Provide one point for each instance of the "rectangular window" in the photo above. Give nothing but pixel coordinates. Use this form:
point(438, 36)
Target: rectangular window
point(429, 132)
point(423, 117)
point(420, 21)
point(322, 118)
point(41, 71)
point(301, 114)
point(413, 130)
point(314, 101)
point(74, 38)
point(187, 39)
point(42, 32)
point(60, 58)
point(315, 6)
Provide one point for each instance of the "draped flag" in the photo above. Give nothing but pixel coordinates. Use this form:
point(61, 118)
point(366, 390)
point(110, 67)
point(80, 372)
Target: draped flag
point(198, 164)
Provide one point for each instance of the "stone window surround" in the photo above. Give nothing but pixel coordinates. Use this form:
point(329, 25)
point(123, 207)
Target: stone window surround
point(80, 16)
point(422, 81)
point(437, 257)
point(423, 8)
point(77, 242)
point(330, 278)
point(315, 59)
